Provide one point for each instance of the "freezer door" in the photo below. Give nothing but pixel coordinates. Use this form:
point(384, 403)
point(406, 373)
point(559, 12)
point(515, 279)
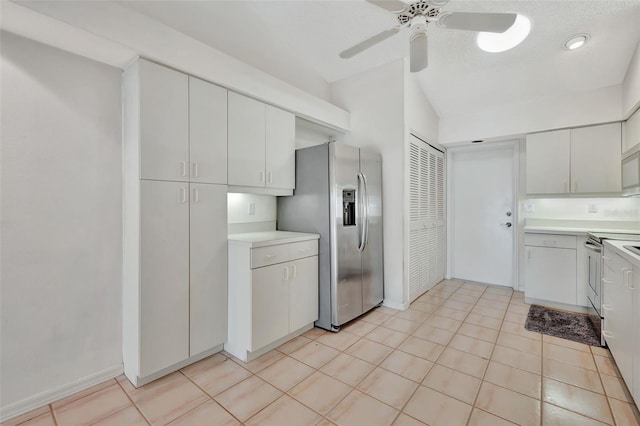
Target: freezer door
point(372, 259)
point(346, 276)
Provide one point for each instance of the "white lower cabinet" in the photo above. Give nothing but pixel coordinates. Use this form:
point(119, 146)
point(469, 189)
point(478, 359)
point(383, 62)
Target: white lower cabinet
point(619, 306)
point(175, 277)
point(550, 268)
point(273, 291)
point(164, 275)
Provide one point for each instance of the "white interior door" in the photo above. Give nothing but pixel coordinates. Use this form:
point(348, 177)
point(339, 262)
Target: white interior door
point(482, 193)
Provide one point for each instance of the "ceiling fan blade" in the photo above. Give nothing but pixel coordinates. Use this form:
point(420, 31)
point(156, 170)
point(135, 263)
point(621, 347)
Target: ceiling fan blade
point(363, 45)
point(395, 6)
point(418, 52)
point(489, 22)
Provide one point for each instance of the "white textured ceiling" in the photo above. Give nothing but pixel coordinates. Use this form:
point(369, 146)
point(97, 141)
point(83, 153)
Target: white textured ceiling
point(299, 41)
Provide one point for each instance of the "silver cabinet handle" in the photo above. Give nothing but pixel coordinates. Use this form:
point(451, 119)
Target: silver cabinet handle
point(183, 194)
point(194, 169)
point(269, 177)
point(261, 176)
point(196, 195)
point(286, 273)
point(183, 168)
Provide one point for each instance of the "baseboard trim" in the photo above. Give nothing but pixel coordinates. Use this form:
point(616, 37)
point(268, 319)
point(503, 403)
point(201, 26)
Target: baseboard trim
point(396, 305)
point(36, 401)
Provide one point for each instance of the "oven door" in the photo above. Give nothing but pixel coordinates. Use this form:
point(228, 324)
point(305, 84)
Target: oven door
point(594, 283)
point(594, 286)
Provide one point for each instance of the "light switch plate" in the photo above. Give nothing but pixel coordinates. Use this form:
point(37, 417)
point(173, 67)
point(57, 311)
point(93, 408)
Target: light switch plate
point(593, 208)
point(251, 209)
point(528, 208)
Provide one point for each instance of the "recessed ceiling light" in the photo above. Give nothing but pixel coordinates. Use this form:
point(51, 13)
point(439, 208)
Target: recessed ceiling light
point(576, 41)
point(499, 42)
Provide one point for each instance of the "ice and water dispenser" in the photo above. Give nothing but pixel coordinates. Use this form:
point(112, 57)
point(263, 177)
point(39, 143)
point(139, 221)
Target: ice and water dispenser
point(349, 207)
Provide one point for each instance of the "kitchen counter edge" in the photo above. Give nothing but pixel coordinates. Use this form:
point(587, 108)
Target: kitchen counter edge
point(269, 238)
point(628, 255)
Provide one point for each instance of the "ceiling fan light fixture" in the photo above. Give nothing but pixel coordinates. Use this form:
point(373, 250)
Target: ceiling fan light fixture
point(576, 41)
point(501, 42)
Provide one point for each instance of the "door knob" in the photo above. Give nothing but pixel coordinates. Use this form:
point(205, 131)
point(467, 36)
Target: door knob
point(508, 214)
point(508, 224)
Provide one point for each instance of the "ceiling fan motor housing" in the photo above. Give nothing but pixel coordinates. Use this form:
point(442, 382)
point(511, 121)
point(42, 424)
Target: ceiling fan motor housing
point(428, 9)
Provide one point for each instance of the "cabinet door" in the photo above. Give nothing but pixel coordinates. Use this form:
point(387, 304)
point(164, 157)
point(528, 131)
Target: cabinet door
point(631, 132)
point(280, 148)
point(164, 275)
point(207, 132)
point(303, 299)
point(208, 272)
point(548, 159)
point(617, 311)
point(246, 146)
point(635, 389)
point(551, 274)
point(596, 159)
point(269, 305)
point(164, 123)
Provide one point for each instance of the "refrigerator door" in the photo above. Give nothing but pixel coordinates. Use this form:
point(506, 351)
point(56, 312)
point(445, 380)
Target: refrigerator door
point(372, 269)
point(346, 264)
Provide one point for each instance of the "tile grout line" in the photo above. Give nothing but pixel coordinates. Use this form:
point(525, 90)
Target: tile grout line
point(212, 397)
point(133, 403)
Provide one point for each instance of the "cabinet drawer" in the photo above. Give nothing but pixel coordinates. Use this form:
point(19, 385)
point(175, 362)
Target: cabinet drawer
point(263, 256)
point(303, 249)
point(550, 240)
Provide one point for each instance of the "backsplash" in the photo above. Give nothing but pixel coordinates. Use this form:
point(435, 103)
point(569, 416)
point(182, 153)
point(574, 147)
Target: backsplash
point(251, 213)
point(607, 209)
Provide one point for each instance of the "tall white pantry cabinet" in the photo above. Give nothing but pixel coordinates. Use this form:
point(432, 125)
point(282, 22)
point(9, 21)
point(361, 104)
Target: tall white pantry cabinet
point(175, 220)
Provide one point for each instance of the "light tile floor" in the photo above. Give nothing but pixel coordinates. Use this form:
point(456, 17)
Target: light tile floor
point(459, 356)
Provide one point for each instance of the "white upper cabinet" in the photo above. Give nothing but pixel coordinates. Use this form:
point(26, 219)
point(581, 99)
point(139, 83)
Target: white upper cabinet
point(280, 144)
point(261, 145)
point(183, 127)
point(631, 132)
point(596, 159)
point(581, 160)
point(548, 159)
point(246, 141)
point(164, 123)
point(207, 132)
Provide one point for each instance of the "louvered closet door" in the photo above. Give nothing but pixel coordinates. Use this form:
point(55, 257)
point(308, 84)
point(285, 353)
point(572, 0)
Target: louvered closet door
point(415, 225)
point(426, 217)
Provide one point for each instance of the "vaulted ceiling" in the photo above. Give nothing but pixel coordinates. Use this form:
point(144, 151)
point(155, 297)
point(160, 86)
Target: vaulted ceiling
point(298, 41)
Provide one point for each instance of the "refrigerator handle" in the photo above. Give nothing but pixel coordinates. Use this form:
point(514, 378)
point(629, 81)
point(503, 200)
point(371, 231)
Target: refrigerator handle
point(361, 222)
point(365, 196)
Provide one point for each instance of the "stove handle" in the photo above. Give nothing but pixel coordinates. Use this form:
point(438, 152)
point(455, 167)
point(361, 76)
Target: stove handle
point(593, 247)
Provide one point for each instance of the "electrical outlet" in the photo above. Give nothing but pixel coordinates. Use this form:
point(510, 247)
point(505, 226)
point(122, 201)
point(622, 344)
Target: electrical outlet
point(528, 208)
point(251, 209)
point(593, 208)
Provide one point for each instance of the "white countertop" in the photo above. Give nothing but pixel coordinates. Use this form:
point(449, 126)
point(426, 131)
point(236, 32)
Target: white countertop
point(628, 255)
point(575, 230)
point(580, 227)
point(270, 238)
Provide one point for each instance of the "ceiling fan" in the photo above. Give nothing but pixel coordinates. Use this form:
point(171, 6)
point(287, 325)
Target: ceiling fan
point(417, 15)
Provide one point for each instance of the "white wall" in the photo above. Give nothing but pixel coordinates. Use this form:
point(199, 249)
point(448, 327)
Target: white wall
point(608, 209)
point(420, 117)
point(508, 121)
point(61, 223)
point(631, 85)
point(375, 101)
point(264, 214)
point(110, 25)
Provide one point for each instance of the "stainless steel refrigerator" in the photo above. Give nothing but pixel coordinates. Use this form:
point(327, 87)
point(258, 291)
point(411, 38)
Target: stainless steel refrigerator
point(339, 196)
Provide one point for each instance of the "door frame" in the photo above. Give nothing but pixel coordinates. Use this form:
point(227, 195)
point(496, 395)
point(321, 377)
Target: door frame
point(514, 145)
